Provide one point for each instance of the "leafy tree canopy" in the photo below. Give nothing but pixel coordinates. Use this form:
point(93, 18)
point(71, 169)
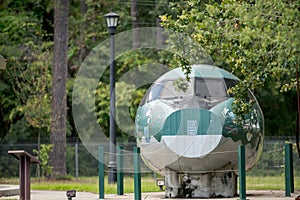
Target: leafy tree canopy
point(259, 41)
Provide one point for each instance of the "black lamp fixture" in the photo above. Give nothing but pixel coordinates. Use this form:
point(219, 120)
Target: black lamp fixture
point(112, 20)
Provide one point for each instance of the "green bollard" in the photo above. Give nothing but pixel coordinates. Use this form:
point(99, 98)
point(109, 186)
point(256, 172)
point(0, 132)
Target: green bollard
point(120, 176)
point(289, 172)
point(137, 174)
point(101, 173)
point(242, 173)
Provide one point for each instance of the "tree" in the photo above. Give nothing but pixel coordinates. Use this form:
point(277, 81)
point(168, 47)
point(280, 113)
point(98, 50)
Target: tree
point(25, 108)
point(59, 97)
point(256, 40)
point(133, 13)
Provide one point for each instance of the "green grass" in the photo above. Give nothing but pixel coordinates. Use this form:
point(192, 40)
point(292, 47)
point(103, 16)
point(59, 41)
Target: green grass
point(11, 199)
point(269, 183)
point(90, 184)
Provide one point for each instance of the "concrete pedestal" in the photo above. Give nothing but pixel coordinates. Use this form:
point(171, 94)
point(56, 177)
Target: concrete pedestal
point(204, 185)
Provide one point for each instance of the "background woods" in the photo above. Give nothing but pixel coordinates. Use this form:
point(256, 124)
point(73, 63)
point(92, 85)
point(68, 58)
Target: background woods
point(258, 41)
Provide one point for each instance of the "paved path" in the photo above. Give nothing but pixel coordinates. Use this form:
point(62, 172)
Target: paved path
point(61, 195)
point(9, 190)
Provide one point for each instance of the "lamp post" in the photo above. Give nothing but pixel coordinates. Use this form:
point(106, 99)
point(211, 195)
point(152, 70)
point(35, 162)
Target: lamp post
point(112, 23)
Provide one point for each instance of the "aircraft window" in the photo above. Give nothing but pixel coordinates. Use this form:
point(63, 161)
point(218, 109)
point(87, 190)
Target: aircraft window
point(229, 84)
point(176, 89)
point(155, 92)
point(152, 93)
point(172, 89)
point(210, 87)
point(144, 100)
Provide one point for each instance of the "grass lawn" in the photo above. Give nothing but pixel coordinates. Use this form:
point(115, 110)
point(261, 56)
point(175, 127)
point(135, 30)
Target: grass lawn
point(86, 184)
point(90, 184)
point(269, 183)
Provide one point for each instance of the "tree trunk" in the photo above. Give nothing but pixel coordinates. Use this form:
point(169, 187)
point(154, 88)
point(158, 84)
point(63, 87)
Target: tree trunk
point(135, 33)
point(298, 116)
point(159, 35)
point(59, 101)
point(82, 50)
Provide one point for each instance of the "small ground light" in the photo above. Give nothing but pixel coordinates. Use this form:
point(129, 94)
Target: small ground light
point(160, 184)
point(70, 194)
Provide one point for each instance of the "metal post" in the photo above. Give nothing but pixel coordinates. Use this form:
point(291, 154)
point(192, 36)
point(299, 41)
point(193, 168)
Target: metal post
point(120, 176)
point(242, 173)
point(112, 174)
point(24, 177)
point(101, 173)
point(292, 168)
point(137, 174)
point(289, 172)
point(76, 160)
point(24, 171)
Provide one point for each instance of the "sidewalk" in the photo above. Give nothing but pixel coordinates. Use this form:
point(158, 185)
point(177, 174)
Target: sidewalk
point(61, 195)
point(9, 190)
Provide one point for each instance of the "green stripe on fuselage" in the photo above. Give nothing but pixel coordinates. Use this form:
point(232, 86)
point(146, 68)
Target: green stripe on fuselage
point(191, 121)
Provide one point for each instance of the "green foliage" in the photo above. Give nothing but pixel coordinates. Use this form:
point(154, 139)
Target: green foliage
point(257, 41)
point(181, 85)
point(26, 34)
point(43, 156)
point(272, 161)
point(25, 95)
point(87, 164)
point(128, 94)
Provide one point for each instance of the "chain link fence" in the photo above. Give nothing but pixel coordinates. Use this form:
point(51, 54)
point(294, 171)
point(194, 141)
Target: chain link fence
point(271, 162)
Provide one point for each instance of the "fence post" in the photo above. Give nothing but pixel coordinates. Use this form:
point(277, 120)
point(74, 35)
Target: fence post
point(242, 173)
point(76, 160)
point(137, 174)
point(289, 172)
point(101, 173)
point(120, 176)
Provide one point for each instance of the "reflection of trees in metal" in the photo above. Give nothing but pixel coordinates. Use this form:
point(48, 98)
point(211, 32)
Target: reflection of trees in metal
point(204, 87)
point(197, 91)
point(210, 88)
point(181, 85)
point(197, 124)
point(249, 130)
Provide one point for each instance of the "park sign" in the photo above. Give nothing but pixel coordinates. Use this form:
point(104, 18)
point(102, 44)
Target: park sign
point(2, 62)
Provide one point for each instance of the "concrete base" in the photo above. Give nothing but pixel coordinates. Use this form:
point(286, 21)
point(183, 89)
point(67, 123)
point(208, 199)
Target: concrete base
point(205, 185)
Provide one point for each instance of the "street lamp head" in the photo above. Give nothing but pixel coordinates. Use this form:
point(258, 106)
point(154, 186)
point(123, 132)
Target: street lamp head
point(112, 22)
